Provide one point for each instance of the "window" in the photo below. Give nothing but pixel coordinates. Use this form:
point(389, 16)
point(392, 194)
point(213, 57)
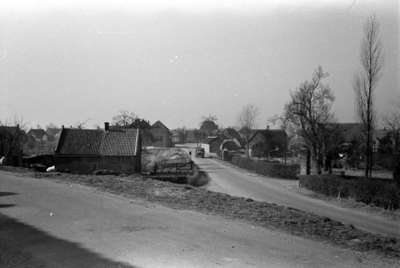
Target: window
point(159, 139)
point(95, 166)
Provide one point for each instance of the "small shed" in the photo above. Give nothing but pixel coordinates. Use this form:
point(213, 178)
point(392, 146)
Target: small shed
point(212, 144)
point(86, 150)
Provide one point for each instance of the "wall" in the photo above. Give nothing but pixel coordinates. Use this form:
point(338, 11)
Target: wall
point(206, 147)
point(84, 164)
point(215, 146)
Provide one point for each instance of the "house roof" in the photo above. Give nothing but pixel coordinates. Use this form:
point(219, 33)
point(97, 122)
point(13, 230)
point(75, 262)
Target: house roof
point(10, 129)
point(39, 133)
point(231, 133)
point(53, 131)
point(211, 139)
point(222, 137)
point(240, 141)
point(278, 134)
point(98, 142)
point(158, 124)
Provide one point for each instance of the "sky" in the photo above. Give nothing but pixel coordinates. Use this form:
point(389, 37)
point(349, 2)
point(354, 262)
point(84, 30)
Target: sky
point(68, 62)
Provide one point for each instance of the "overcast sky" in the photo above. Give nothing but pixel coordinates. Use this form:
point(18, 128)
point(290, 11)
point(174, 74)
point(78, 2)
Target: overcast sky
point(66, 63)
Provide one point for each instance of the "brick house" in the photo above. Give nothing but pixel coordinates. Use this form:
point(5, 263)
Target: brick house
point(86, 150)
point(278, 136)
point(162, 136)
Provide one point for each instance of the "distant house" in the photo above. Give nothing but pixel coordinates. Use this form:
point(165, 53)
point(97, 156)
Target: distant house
point(231, 133)
point(177, 137)
point(38, 134)
point(240, 142)
point(221, 136)
point(86, 150)
point(212, 144)
point(278, 136)
point(162, 136)
point(54, 133)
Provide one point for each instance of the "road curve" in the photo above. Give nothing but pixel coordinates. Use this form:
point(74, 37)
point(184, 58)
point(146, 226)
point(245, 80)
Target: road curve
point(238, 182)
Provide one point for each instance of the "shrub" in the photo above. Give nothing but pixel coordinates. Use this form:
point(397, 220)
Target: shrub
point(276, 170)
point(283, 171)
point(242, 162)
point(381, 193)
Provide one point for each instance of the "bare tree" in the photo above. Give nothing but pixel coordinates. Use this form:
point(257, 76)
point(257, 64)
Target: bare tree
point(199, 135)
point(12, 136)
point(365, 83)
point(246, 120)
point(51, 125)
point(124, 118)
point(81, 125)
point(310, 111)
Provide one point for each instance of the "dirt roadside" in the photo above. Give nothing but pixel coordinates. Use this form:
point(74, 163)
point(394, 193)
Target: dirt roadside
point(272, 216)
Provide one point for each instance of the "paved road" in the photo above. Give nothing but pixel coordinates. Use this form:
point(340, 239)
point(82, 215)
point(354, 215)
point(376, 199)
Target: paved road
point(48, 224)
point(237, 182)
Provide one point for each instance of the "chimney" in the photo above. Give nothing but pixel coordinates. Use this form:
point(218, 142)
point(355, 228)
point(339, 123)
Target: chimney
point(267, 126)
point(106, 126)
point(62, 126)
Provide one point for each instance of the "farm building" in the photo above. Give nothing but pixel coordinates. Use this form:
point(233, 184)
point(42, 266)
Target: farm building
point(277, 136)
point(162, 136)
point(86, 150)
point(212, 144)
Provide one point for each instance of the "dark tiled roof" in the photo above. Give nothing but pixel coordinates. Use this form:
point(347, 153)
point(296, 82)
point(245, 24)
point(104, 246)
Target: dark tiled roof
point(39, 133)
point(158, 124)
point(210, 139)
point(10, 129)
point(231, 133)
point(120, 143)
point(80, 141)
point(278, 134)
point(222, 137)
point(97, 142)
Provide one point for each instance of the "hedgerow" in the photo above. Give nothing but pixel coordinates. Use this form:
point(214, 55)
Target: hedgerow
point(275, 170)
point(380, 193)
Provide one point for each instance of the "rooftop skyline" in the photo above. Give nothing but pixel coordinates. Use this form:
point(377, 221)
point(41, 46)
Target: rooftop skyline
point(178, 61)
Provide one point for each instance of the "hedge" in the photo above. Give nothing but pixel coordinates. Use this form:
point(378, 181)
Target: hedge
point(381, 193)
point(276, 170)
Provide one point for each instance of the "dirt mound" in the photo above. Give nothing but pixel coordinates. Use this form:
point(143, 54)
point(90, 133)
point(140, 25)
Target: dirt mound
point(151, 157)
